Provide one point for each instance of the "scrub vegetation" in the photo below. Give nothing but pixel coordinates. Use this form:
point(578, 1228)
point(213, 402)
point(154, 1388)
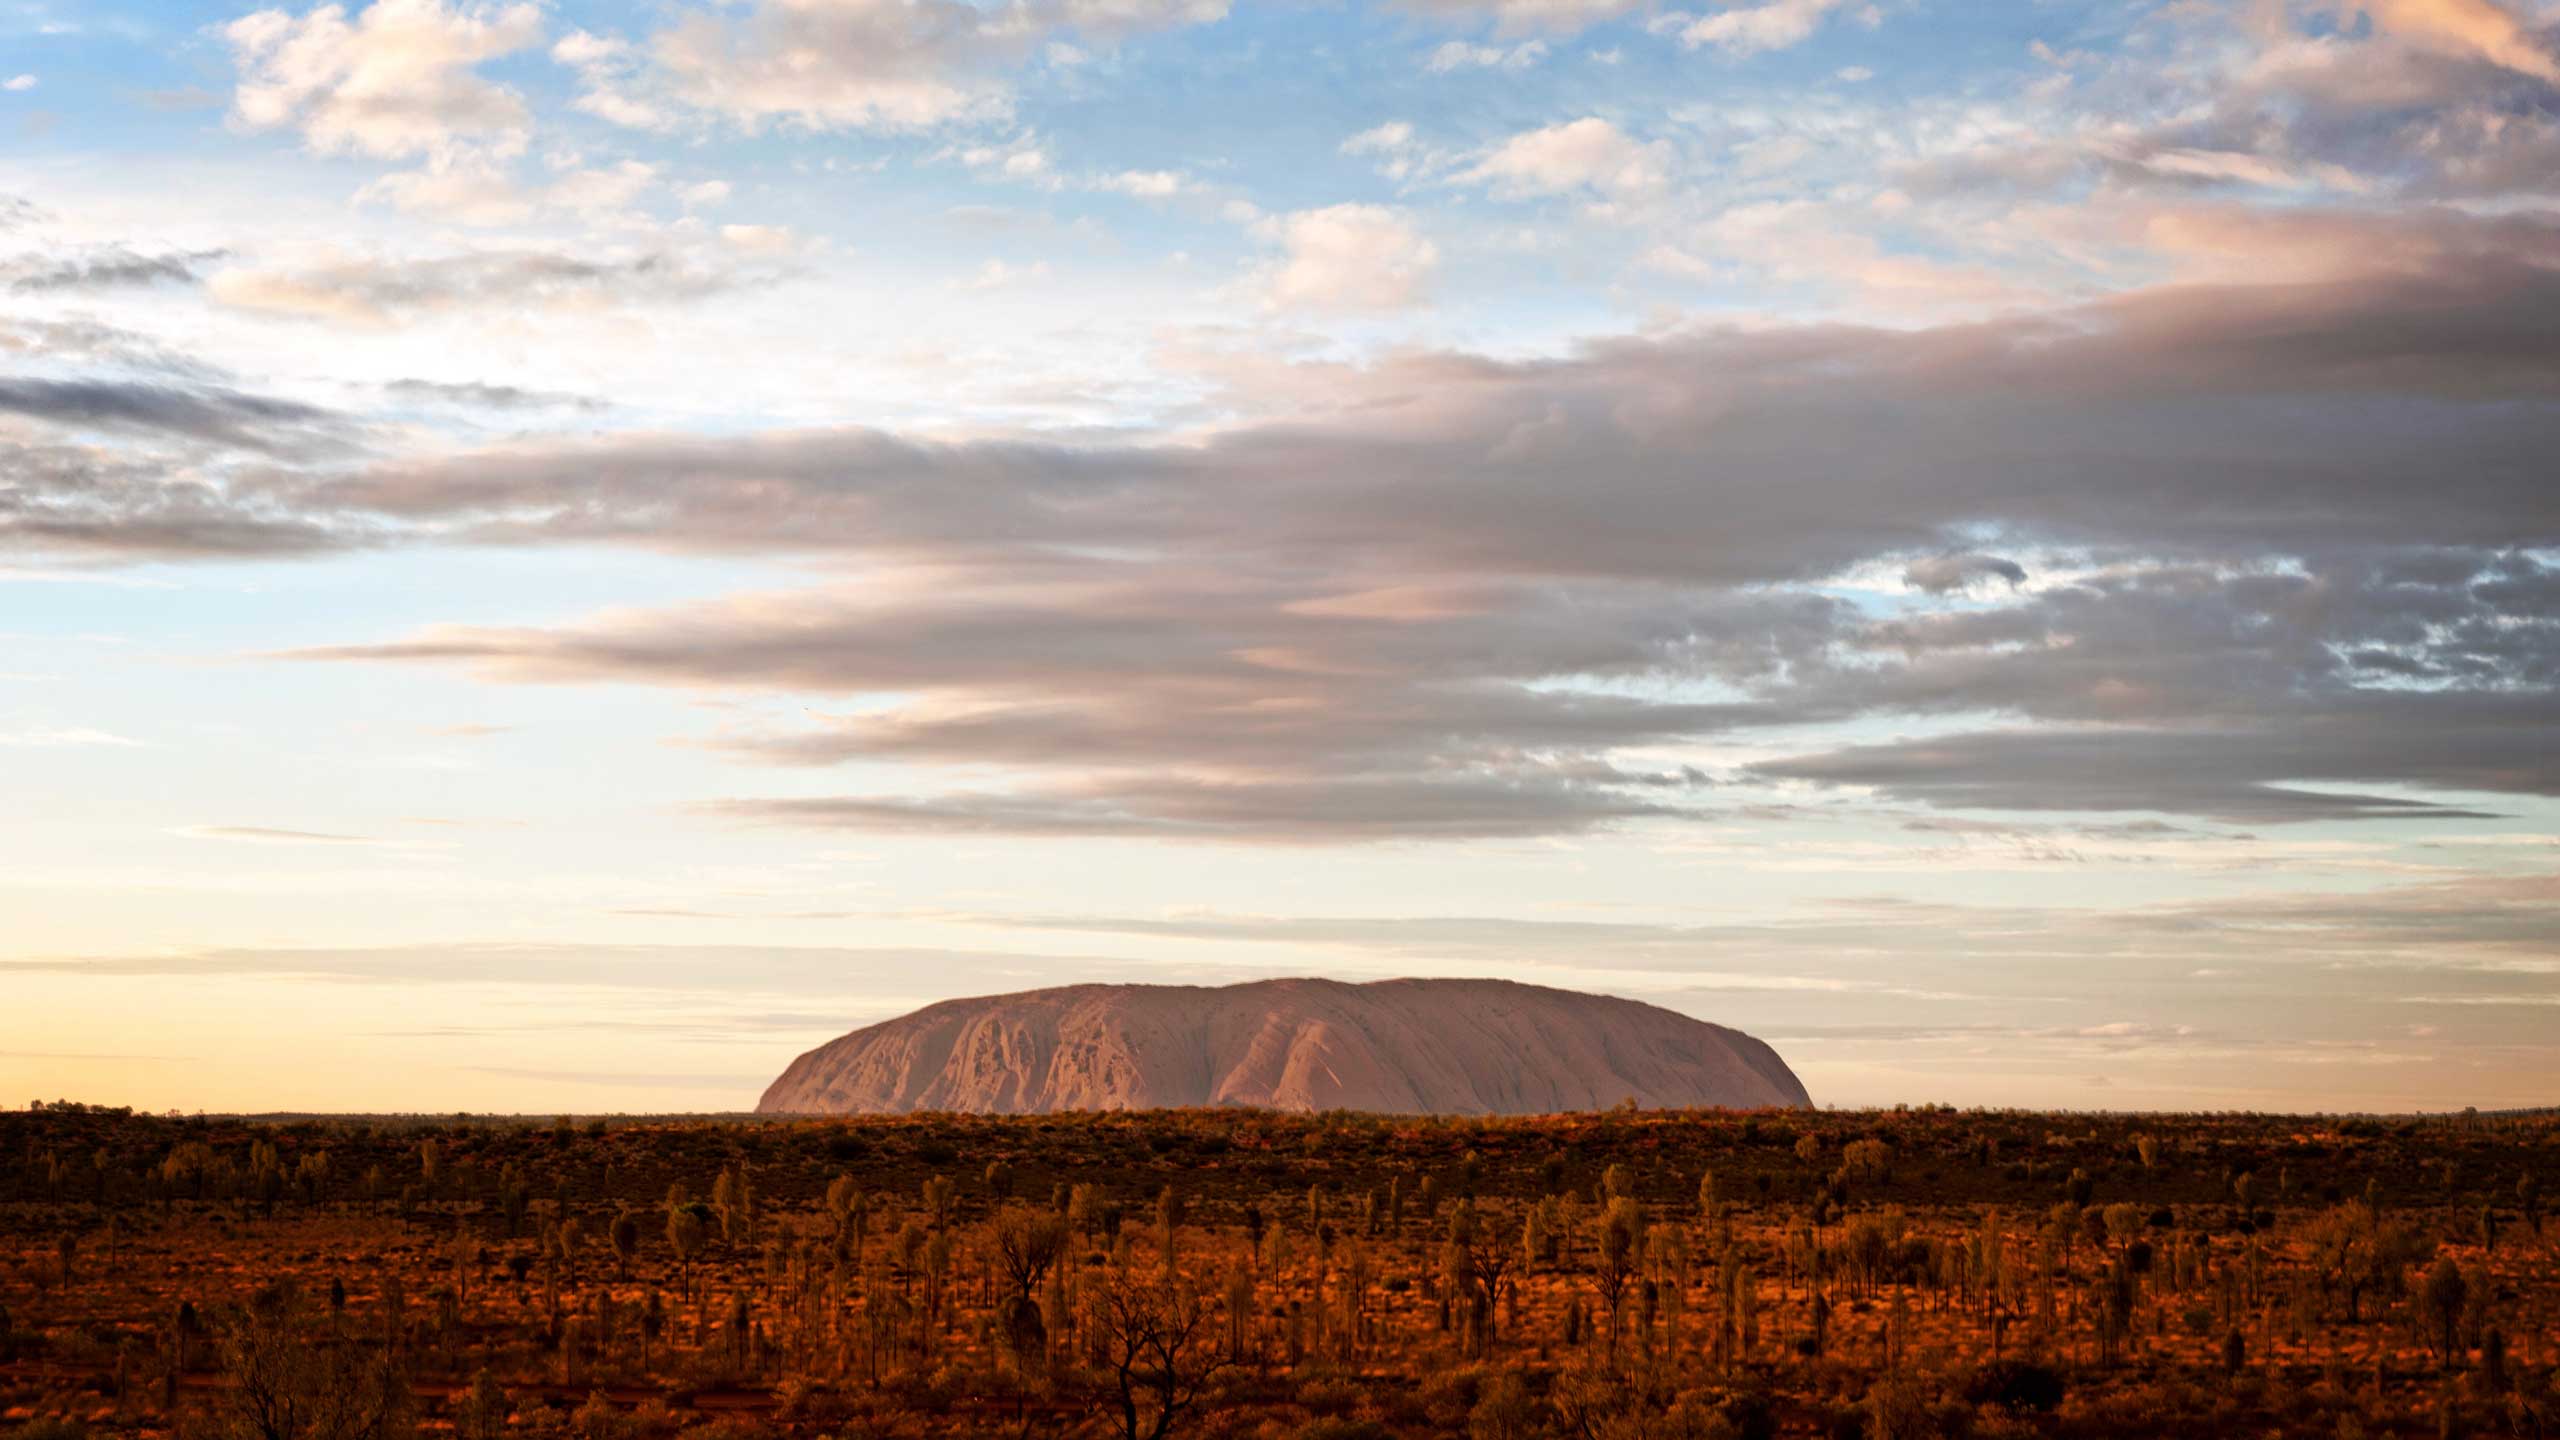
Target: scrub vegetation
point(1611, 1276)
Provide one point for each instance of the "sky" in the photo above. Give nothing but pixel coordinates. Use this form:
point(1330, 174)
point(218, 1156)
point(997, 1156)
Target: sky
point(554, 555)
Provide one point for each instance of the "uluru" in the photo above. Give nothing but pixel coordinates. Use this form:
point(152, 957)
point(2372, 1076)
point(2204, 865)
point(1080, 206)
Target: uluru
point(1476, 1047)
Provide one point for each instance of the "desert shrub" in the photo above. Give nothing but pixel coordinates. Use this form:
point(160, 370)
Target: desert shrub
point(282, 1385)
point(1339, 1428)
point(727, 1427)
point(1448, 1396)
point(1502, 1411)
point(1746, 1416)
point(1897, 1410)
point(651, 1421)
point(2020, 1385)
point(1328, 1396)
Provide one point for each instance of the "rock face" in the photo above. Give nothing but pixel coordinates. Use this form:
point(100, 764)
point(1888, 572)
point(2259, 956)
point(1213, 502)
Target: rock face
point(1399, 1046)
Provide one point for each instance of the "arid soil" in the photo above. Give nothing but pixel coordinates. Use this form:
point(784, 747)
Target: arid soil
point(1164, 1274)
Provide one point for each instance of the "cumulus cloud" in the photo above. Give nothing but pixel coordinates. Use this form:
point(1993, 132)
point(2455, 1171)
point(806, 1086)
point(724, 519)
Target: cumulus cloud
point(397, 79)
point(471, 192)
point(1349, 257)
point(1748, 29)
point(1394, 149)
point(612, 72)
point(877, 64)
point(1145, 184)
point(476, 190)
point(1589, 154)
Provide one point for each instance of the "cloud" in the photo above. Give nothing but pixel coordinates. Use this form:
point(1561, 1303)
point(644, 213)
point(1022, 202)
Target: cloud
point(1318, 813)
point(1145, 184)
point(2479, 923)
point(2171, 419)
point(74, 501)
point(396, 80)
point(379, 292)
point(104, 268)
point(2432, 98)
point(1349, 257)
point(71, 736)
point(1442, 593)
point(883, 64)
point(2233, 776)
point(2231, 695)
point(268, 835)
point(1460, 55)
point(480, 395)
point(2484, 28)
point(1750, 29)
point(1586, 154)
point(18, 84)
point(475, 190)
point(209, 414)
point(1399, 156)
point(83, 342)
point(1516, 16)
point(602, 189)
point(1152, 706)
point(471, 192)
point(1391, 136)
point(879, 979)
point(1164, 703)
point(612, 72)
point(1884, 974)
point(998, 275)
point(760, 239)
point(1941, 574)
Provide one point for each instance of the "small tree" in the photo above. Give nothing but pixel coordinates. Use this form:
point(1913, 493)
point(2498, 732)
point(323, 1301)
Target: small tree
point(625, 1235)
point(1620, 1245)
point(1027, 1242)
point(2440, 1299)
point(844, 1201)
point(688, 1227)
point(282, 1386)
point(1155, 1337)
point(566, 1240)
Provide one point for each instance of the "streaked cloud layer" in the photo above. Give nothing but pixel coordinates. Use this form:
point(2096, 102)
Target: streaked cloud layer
point(1940, 534)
